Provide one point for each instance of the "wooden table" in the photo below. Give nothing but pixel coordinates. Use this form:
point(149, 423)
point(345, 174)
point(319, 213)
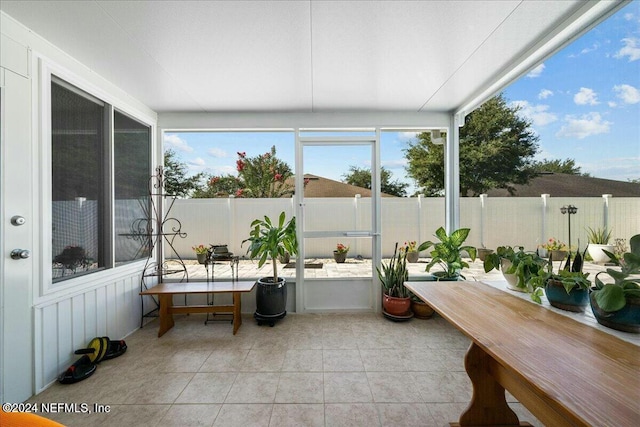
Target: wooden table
point(565, 372)
point(166, 291)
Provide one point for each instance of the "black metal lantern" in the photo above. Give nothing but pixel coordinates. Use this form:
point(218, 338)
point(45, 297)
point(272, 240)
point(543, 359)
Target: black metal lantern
point(571, 210)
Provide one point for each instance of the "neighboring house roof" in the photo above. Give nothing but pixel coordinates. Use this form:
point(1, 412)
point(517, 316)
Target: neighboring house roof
point(324, 187)
point(565, 185)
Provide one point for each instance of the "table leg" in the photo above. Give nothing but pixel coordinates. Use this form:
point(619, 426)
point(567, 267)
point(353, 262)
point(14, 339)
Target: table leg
point(488, 406)
point(164, 313)
point(237, 316)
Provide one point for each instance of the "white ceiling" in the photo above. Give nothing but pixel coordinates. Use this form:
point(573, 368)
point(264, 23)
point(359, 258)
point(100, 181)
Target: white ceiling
point(308, 56)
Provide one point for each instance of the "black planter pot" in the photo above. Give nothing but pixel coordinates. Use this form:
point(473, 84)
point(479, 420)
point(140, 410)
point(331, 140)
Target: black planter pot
point(271, 300)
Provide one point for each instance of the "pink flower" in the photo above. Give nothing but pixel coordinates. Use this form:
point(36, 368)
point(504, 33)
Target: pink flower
point(239, 192)
point(242, 154)
point(277, 176)
point(214, 180)
point(239, 165)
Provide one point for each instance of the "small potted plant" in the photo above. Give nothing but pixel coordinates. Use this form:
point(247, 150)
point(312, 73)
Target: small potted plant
point(568, 289)
point(556, 249)
point(412, 251)
point(201, 253)
point(617, 304)
point(269, 240)
point(517, 266)
point(340, 253)
point(447, 253)
point(598, 243)
point(395, 300)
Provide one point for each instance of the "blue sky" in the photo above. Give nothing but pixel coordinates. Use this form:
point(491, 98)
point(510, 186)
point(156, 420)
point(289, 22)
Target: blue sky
point(584, 104)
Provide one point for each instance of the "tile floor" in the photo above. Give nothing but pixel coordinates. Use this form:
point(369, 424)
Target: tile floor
point(308, 370)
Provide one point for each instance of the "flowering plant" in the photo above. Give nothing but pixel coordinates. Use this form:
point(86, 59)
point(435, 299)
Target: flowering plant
point(341, 249)
point(200, 249)
point(411, 246)
point(554, 244)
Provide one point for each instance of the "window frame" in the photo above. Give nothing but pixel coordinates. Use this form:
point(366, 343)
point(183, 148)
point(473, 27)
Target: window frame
point(47, 71)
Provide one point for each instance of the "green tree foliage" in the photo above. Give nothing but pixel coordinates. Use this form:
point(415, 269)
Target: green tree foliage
point(567, 166)
point(175, 179)
point(361, 177)
point(496, 150)
point(262, 176)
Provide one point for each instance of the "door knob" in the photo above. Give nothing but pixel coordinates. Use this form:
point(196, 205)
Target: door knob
point(20, 254)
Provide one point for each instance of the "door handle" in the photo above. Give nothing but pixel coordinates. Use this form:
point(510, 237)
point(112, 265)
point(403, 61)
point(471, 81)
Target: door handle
point(20, 254)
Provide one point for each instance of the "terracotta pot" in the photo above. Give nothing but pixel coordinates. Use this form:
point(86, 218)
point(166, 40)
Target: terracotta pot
point(396, 306)
point(421, 310)
point(558, 255)
point(412, 256)
point(576, 300)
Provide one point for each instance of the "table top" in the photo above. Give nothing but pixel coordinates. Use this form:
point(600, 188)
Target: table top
point(200, 287)
point(595, 375)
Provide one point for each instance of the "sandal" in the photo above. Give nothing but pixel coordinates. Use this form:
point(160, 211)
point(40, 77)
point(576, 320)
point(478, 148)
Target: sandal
point(81, 369)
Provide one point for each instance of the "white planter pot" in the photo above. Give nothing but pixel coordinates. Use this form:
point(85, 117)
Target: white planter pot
point(511, 279)
point(596, 253)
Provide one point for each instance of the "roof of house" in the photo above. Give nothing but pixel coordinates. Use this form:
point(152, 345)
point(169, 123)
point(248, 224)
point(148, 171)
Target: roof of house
point(565, 185)
point(319, 186)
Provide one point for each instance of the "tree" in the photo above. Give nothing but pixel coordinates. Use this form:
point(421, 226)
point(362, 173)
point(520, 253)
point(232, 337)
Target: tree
point(496, 150)
point(262, 176)
point(567, 166)
point(175, 179)
point(361, 177)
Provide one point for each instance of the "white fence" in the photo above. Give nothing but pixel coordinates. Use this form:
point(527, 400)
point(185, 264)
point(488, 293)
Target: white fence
point(493, 221)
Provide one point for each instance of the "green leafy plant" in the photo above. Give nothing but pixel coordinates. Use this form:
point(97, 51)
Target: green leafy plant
point(599, 236)
point(523, 264)
point(394, 274)
point(571, 276)
point(448, 252)
point(613, 296)
point(269, 240)
point(200, 249)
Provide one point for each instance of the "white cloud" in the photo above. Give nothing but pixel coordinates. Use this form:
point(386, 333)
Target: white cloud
point(631, 49)
point(198, 161)
point(586, 96)
point(394, 164)
point(627, 93)
point(538, 114)
point(628, 16)
point(536, 71)
point(405, 136)
point(217, 152)
point(179, 144)
point(583, 126)
point(225, 170)
point(545, 93)
point(612, 104)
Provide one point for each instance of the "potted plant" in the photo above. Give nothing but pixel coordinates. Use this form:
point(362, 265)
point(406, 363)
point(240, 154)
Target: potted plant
point(395, 300)
point(340, 253)
point(419, 308)
point(617, 305)
point(201, 253)
point(568, 289)
point(556, 250)
point(517, 266)
point(598, 243)
point(270, 240)
point(412, 251)
point(447, 253)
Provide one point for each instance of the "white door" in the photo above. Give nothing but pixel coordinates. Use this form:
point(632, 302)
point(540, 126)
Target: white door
point(324, 222)
point(16, 199)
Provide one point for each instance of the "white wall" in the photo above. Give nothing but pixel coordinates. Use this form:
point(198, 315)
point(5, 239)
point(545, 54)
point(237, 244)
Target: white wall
point(47, 322)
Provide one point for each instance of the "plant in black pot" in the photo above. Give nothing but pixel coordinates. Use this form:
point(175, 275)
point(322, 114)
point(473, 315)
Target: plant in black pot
point(270, 240)
point(517, 266)
point(568, 289)
point(447, 253)
point(617, 305)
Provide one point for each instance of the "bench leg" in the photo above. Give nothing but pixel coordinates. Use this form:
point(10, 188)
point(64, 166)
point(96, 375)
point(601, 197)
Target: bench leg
point(237, 316)
point(164, 313)
point(488, 405)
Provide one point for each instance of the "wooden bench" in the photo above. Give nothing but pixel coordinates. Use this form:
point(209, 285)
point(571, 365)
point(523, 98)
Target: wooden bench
point(565, 372)
point(166, 291)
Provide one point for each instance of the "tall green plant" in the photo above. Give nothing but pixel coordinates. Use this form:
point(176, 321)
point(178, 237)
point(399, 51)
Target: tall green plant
point(394, 274)
point(271, 241)
point(599, 236)
point(448, 252)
